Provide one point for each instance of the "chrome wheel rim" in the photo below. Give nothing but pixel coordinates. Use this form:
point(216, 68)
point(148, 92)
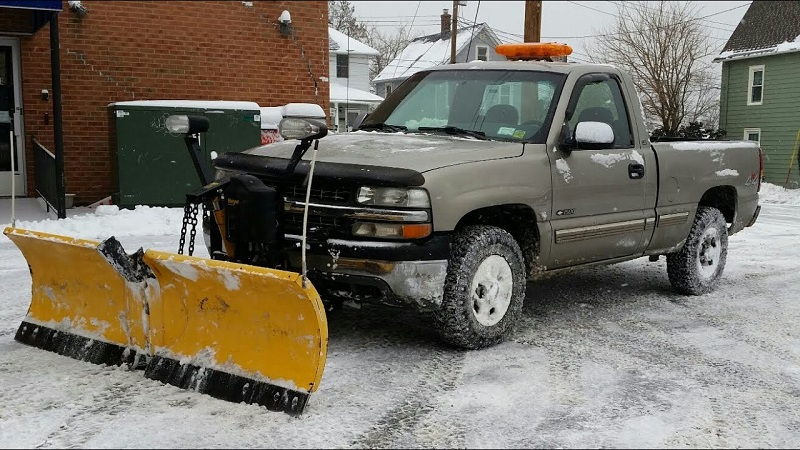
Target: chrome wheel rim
point(491, 290)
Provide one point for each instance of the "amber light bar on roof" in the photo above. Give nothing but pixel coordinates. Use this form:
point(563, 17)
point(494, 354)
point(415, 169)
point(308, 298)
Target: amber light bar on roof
point(533, 50)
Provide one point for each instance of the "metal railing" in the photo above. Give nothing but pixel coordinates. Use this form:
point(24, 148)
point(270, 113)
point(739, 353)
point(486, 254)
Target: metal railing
point(45, 162)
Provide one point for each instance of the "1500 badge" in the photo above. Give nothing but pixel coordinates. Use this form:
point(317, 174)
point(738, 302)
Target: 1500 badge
point(565, 212)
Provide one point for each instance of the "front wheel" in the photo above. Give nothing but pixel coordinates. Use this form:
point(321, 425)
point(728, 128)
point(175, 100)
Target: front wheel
point(697, 268)
point(484, 289)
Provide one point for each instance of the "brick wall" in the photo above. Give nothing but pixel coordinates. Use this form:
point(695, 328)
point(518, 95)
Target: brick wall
point(121, 51)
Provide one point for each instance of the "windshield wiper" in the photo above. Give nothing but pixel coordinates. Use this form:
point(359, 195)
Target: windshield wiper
point(455, 130)
point(382, 126)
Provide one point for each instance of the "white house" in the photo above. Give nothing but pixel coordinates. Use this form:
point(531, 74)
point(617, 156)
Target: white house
point(349, 79)
point(476, 42)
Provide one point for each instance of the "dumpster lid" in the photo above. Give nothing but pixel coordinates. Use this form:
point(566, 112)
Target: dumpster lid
point(198, 104)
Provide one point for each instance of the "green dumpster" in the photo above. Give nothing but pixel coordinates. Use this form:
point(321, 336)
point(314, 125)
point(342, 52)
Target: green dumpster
point(151, 166)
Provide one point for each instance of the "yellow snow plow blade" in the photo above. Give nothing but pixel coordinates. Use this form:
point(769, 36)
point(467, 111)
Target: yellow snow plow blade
point(237, 332)
point(81, 304)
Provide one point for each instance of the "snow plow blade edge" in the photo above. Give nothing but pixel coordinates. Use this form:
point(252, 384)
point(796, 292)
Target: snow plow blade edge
point(233, 331)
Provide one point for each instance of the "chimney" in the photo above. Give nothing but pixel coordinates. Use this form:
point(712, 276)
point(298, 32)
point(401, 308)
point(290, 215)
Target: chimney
point(446, 22)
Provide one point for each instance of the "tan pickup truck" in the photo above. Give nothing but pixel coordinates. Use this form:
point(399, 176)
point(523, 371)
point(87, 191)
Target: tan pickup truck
point(471, 179)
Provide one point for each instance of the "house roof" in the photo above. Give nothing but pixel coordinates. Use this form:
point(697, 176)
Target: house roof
point(768, 27)
point(342, 94)
point(430, 51)
point(338, 43)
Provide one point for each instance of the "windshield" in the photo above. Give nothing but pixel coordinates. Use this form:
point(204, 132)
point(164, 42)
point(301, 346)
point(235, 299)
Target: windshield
point(484, 104)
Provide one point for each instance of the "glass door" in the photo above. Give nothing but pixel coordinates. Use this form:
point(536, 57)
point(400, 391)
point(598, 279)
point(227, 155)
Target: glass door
point(10, 120)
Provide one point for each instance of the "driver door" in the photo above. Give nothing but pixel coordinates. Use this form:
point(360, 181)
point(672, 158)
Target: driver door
point(598, 200)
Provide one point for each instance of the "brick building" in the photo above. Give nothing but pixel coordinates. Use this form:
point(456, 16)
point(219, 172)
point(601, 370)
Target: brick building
point(118, 51)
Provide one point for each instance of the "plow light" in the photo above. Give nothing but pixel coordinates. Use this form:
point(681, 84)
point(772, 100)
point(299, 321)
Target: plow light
point(533, 50)
point(292, 128)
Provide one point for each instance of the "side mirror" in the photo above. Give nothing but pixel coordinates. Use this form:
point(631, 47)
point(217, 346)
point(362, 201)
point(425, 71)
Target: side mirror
point(362, 116)
point(594, 135)
point(302, 129)
point(181, 124)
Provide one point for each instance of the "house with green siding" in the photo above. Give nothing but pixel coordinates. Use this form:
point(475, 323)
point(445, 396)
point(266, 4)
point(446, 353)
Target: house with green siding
point(760, 86)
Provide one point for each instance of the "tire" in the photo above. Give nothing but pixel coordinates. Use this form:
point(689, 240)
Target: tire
point(485, 274)
point(697, 268)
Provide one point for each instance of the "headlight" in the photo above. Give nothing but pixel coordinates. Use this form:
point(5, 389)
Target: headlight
point(376, 196)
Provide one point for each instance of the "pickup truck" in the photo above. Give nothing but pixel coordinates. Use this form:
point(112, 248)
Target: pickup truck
point(471, 179)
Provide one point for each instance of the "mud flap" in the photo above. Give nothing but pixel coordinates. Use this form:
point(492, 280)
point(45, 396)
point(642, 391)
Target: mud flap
point(236, 332)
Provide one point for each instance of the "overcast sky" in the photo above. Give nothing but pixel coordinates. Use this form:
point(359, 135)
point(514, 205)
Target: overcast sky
point(563, 21)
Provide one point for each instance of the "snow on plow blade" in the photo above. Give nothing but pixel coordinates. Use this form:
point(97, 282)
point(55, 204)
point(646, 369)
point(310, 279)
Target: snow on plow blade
point(236, 332)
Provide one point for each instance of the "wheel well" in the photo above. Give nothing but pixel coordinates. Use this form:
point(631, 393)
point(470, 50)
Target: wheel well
point(723, 198)
point(518, 220)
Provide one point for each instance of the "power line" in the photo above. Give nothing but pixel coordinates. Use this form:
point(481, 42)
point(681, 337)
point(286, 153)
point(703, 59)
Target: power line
point(474, 22)
point(412, 25)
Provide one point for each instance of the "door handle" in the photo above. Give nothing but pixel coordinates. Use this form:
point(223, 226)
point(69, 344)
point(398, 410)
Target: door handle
point(635, 171)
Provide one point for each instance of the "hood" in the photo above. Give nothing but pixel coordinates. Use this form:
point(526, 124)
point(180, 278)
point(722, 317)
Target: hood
point(408, 151)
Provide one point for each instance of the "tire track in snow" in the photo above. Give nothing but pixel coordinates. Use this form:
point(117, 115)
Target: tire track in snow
point(403, 425)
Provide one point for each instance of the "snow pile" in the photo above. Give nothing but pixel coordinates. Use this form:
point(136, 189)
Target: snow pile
point(772, 193)
point(109, 220)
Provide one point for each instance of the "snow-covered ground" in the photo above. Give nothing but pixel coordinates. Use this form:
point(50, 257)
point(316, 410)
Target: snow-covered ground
point(602, 357)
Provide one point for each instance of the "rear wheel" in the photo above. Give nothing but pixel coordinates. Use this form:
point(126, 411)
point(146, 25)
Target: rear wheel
point(697, 268)
point(484, 289)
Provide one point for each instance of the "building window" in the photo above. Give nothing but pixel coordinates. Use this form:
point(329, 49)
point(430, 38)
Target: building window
point(755, 86)
point(342, 66)
point(753, 134)
point(481, 52)
point(388, 90)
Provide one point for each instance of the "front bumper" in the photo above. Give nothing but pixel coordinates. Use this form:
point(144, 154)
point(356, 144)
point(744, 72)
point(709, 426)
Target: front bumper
point(409, 274)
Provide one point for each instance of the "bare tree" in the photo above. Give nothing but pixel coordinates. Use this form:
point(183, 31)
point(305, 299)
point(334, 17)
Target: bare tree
point(665, 49)
point(342, 17)
point(389, 44)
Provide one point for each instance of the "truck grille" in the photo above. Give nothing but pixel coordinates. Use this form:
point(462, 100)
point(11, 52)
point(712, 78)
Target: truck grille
point(321, 194)
point(320, 227)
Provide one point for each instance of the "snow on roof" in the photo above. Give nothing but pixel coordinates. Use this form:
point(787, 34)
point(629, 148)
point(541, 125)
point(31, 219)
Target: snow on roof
point(429, 51)
point(341, 94)
point(784, 47)
point(199, 104)
point(338, 43)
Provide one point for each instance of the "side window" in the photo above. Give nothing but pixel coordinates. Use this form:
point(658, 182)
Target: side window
point(753, 134)
point(388, 90)
point(602, 101)
point(755, 87)
point(481, 52)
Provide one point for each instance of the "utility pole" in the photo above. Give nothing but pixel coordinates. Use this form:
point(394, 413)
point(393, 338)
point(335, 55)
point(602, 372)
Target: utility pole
point(453, 31)
point(533, 20)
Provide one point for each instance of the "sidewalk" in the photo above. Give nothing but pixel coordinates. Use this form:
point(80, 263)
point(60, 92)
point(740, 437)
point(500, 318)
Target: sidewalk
point(30, 209)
